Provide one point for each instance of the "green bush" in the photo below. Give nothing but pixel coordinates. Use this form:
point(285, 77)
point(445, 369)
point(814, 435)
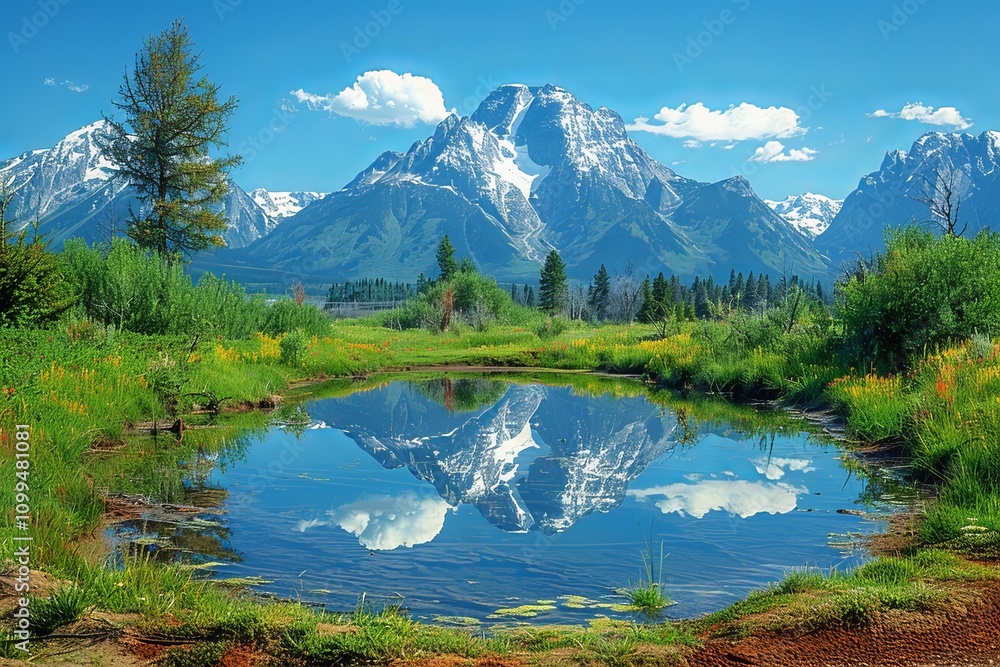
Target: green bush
point(32, 288)
point(921, 292)
point(292, 345)
point(127, 287)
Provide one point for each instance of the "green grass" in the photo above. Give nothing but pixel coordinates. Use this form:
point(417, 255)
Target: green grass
point(85, 388)
point(808, 598)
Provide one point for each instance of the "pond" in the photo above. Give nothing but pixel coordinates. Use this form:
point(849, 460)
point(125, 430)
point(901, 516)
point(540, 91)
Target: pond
point(461, 496)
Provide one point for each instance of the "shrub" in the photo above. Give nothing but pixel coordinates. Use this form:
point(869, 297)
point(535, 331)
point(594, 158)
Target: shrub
point(123, 285)
point(922, 291)
point(32, 288)
point(292, 345)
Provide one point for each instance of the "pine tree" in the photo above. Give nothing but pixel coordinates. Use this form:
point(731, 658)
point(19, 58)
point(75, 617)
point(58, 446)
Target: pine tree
point(173, 116)
point(764, 291)
point(447, 264)
point(529, 300)
point(750, 300)
point(32, 288)
point(467, 266)
point(599, 295)
point(648, 308)
point(553, 288)
point(661, 295)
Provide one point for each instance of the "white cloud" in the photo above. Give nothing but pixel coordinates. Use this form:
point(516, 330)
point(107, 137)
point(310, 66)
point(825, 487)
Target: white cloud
point(774, 469)
point(742, 498)
point(924, 114)
point(774, 151)
point(698, 122)
point(382, 97)
point(384, 523)
point(76, 88)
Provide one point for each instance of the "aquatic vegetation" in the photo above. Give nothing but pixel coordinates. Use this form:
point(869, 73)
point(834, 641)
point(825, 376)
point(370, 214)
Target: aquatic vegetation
point(524, 610)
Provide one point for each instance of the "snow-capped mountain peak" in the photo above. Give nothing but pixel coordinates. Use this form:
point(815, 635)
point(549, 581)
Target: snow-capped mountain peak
point(280, 205)
point(534, 169)
point(810, 213)
point(70, 190)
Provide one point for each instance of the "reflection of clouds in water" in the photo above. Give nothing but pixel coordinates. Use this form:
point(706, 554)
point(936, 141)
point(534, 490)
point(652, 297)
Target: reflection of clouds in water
point(386, 522)
point(741, 498)
point(775, 468)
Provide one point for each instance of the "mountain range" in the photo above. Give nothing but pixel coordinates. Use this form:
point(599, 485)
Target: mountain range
point(891, 196)
point(531, 170)
point(68, 189)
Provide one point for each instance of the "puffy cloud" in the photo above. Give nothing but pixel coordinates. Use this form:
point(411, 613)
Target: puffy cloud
point(384, 523)
point(924, 114)
point(698, 122)
point(742, 498)
point(774, 151)
point(774, 469)
point(382, 97)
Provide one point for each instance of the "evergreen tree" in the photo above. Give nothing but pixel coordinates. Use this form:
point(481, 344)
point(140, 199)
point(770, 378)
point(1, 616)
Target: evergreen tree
point(173, 116)
point(447, 264)
point(661, 295)
point(738, 293)
point(750, 299)
point(599, 295)
point(553, 287)
point(529, 300)
point(648, 308)
point(764, 291)
point(701, 298)
point(467, 266)
point(32, 288)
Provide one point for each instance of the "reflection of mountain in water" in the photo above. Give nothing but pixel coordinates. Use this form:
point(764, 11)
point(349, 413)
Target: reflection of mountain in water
point(539, 458)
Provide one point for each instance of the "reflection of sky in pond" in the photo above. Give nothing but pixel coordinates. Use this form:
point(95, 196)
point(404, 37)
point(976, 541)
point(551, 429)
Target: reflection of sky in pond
point(536, 494)
point(386, 522)
point(739, 497)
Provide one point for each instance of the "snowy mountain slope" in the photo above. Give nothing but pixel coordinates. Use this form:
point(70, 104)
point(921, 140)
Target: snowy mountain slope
point(532, 169)
point(889, 196)
point(69, 189)
point(809, 213)
point(280, 205)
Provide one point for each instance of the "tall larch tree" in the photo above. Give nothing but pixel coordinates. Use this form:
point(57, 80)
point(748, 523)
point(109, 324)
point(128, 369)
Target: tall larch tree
point(173, 118)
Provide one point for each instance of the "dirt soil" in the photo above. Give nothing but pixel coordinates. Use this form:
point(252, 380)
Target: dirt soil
point(966, 633)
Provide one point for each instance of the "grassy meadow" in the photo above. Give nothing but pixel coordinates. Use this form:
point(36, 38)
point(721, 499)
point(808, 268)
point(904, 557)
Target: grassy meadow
point(143, 346)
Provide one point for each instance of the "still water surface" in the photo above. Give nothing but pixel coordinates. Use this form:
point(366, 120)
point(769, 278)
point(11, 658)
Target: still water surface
point(462, 496)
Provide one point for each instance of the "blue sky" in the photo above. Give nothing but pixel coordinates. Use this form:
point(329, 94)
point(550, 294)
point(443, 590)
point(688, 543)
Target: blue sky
point(830, 64)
